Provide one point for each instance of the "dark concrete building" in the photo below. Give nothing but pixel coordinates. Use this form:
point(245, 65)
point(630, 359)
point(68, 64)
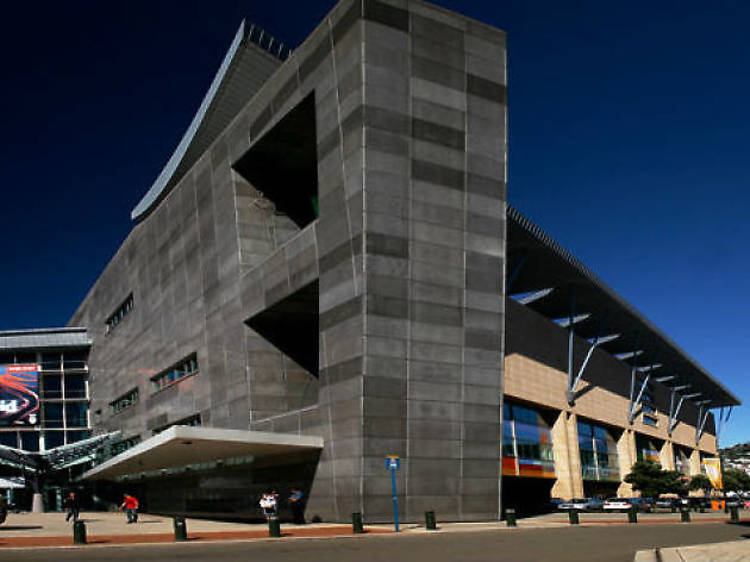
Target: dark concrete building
point(321, 267)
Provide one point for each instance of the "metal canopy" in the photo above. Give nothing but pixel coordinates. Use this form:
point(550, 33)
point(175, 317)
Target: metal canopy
point(183, 445)
point(536, 262)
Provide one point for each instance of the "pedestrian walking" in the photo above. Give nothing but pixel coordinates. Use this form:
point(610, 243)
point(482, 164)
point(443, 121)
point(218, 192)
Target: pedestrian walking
point(73, 506)
point(130, 505)
point(295, 503)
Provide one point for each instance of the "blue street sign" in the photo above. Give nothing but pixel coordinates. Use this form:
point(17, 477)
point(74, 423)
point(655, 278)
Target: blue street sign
point(393, 463)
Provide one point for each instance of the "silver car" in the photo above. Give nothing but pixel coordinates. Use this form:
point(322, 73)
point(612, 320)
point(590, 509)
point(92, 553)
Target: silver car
point(582, 504)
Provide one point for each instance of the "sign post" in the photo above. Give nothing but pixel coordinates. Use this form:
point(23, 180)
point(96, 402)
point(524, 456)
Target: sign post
point(393, 463)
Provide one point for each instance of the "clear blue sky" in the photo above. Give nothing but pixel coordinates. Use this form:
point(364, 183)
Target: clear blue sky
point(629, 128)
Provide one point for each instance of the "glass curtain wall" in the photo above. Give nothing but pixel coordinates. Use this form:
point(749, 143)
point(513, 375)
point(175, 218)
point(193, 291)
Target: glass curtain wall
point(64, 400)
point(598, 449)
point(527, 443)
point(647, 449)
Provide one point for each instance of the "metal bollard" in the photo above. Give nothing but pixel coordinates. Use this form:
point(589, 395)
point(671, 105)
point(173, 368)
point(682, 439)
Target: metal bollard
point(734, 515)
point(274, 526)
point(633, 515)
point(510, 517)
point(79, 532)
point(357, 527)
point(180, 529)
point(573, 517)
point(429, 521)
point(685, 515)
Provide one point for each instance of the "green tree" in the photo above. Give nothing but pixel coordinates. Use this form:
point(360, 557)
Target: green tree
point(735, 480)
point(651, 480)
point(700, 482)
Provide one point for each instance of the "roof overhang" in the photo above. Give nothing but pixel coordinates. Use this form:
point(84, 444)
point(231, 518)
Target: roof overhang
point(536, 263)
point(45, 338)
point(180, 445)
point(252, 58)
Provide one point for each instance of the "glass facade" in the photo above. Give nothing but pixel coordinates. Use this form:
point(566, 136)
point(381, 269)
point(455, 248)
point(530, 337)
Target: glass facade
point(527, 443)
point(64, 400)
point(647, 449)
point(598, 449)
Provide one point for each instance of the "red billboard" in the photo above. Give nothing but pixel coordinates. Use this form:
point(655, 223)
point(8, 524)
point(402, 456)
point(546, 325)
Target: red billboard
point(19, 395)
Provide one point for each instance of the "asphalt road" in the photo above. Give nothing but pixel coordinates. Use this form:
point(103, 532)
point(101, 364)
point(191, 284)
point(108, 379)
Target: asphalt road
point(579, 544)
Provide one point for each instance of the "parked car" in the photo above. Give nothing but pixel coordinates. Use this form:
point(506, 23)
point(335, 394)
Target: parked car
point(667, 503)
point(734, 501)
point(643, 504)
point(692, 502)
point(582, 504)
point(554, 503)
point(617, 504)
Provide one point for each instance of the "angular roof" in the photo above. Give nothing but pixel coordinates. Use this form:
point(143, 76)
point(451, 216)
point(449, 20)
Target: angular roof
point(537, 263)
point(251, 59)
point(44, 338)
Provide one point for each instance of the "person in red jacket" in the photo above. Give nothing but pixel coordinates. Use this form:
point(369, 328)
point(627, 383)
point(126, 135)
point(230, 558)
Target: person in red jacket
point(130, 505)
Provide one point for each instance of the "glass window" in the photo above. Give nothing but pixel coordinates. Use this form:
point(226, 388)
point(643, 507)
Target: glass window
point(25, 357)
point(75, 359)
point(526, 435)
point(51, 361)
point(51, 386)
point(598, 449)
point(175, 373)
point(75, 414)
point(30, 440)
point(649, 420)
point(75, 385)
point(53, 439)
point(52, 413)
point(74, 436)
point(9, 439)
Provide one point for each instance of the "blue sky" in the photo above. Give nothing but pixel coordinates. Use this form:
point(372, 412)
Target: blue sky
point(628, 128)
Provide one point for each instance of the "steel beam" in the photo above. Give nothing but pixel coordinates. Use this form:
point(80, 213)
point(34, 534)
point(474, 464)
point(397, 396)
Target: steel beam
point(634, 405)
point(570, 321)
point(535, 296)
point(673, 417)
point(594, 344)
point(520, 261)
point(702, 417)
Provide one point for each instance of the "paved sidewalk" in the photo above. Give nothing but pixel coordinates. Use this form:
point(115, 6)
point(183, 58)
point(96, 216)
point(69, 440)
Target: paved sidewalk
point(25, 530)
point(734, 551)
point(50, 529)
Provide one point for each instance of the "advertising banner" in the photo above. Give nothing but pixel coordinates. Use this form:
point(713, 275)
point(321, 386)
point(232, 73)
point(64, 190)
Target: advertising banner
point(19, 395)
point(712, 465)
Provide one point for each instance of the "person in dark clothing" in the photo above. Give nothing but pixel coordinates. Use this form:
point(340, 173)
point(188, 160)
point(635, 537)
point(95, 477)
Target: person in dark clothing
point(298, 509)
point(73, 506)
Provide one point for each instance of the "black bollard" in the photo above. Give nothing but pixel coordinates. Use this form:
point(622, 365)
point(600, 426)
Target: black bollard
point(274, 527)
point(685, 515)
point(357, 527)
point(79, 532)
point(573, 517)
point(632, 514)
point(180, 529)
point(510, 517)
point(734, 515)
point(429, 521)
